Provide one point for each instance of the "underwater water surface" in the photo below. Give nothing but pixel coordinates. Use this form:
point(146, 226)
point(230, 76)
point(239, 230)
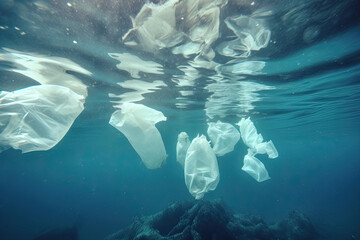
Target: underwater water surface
point(291, 66)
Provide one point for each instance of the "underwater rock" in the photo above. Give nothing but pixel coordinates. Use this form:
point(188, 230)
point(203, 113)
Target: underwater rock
point(210, 220)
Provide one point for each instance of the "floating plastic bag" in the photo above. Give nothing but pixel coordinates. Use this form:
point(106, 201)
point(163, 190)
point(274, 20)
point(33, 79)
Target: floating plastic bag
point(249, 133)
point(182, 147)
point(201, 168)
point(268, 148)
point(37, 118)
point(137, 123)
point(223, 136)
point(254, 141)
point(255, 168)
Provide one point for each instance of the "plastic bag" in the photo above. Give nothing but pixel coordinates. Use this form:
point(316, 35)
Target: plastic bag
point(268, 148)
point(223, 136)
point(254, 141)
point(255, 168)
point(137, 123)
point(37, 118)
point(249, 133)
point(182, 147)
point(201, 168)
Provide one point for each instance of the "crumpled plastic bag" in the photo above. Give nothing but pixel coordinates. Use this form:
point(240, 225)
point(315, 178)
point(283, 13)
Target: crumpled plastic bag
point(249, 133)
point(254, 141)
point(182, 147)
point(255, 168)
point(251, 35)
point(38, 117)
point(223, 137)
point(268, 148)
point(201, 168)
point(137, 123)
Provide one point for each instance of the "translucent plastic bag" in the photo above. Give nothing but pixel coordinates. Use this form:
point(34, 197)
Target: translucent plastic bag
point(268, 148)
point(137, 123)
point(255, 168)
point(249, 133)
point(182, 147)
point(223, 137)
point(37, 118)
point(254, 141)
point(201, 168)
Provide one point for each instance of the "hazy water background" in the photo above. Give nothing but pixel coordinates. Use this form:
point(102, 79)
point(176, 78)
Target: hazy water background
point(310, 110)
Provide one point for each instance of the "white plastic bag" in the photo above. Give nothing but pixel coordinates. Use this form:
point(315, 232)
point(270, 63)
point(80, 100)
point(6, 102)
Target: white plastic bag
point(182, 147)
point(37, 118)
point(255, 168)
point(254, 141)
point(268, 148)
point(201, 168)
point(223, 137)
point(249, 133)
point(137, 123)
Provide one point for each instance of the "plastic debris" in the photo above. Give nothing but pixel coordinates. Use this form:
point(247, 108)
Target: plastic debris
point(253, 166)
point(268, 148)
point(223, 137)
point(254, 140)
point(182, 147)
point(189, 27)
point(201, 168)
point(137, 123)
point(251, 35)
point(37, 118)
point(249, 133)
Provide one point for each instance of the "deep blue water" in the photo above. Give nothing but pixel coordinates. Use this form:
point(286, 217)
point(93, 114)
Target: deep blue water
point(305, 99)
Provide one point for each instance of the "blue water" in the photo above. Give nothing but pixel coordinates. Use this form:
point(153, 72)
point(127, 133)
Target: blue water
point(305, 99)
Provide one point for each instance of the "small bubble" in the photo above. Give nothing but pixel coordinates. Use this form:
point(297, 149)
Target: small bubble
point(17, 29)
point(23, 33)
point(75, 42)
point(67, 29)
point(69, 4)
point(252, 3)
point(3, 27)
